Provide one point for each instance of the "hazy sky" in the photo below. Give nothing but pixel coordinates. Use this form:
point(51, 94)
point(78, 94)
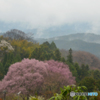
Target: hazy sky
point(43, 14)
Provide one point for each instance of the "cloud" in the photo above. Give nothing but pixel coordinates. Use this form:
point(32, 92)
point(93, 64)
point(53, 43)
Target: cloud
point(95, 28)
point(48, 13)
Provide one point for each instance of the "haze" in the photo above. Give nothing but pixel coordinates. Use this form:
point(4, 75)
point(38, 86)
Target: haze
point(48, 16)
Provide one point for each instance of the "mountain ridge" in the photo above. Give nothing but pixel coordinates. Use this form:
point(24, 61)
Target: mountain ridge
point(81, 41)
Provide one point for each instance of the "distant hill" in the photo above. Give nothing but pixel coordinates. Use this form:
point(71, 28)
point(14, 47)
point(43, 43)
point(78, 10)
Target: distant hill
point(83, 57)
point(80, 41)
point(17, 34)
point(87, 37)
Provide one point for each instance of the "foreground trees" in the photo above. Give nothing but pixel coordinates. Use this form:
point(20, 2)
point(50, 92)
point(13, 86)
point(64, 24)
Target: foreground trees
point(33, 76)
point(65, 93)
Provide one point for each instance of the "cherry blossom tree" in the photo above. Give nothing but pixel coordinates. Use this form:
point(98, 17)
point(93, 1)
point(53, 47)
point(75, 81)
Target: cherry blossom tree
point(31, 75)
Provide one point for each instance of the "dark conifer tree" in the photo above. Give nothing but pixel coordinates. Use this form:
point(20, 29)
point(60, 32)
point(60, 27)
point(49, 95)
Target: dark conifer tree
point(57, 55)
point(63, 59)
point(69, 57)
point(53, 46)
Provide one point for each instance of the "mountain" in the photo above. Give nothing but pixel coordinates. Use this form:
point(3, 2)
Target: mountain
point(80, 41)
point(87, 37)
point(45, 32)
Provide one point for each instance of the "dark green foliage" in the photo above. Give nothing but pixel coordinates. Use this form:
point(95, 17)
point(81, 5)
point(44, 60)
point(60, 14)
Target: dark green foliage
point(53, 46)
point(69, 57)
point(84, 71)
point(4, 59)
point(57, 55)
point(96, 74)
point(63, 59)
point(6, 67)
point(9, 58)
point(73, 70)
point(1, 71)
point(77, 67)
point(98, 84)
point(17, 58)
point(23, 54)
point(1, 67)
point(52, 56)
point(89, 82)
point(46, 43)
point(45, 52)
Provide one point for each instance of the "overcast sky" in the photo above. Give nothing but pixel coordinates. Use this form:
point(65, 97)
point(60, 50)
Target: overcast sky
point(43, 14)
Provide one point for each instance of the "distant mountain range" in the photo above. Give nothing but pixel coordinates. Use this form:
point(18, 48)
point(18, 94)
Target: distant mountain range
point(83, 46)
point(46, 32)
point(81, 41)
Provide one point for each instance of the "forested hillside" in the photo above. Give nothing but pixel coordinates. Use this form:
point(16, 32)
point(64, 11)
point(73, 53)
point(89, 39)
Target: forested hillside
point(78, 42)
point(83, 57)
point(47, 66)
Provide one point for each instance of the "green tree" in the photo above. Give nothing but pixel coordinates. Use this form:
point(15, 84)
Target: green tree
point(1, 71)
point(46, 43)
point(17, 58)
point(72, 69)
point(96, 74)
point(77, 67)
point(69, 57)
point(10, 58)
point(98, 84)
point(52, 56)
point(4, 59)
point(57, 55)
point(84, 71)
point(6, 67)
point(53, 46)
point(63, 59)
point(89, 82)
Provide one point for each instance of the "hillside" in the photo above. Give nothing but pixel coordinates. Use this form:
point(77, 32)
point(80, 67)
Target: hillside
point(83, 42)
point(83, 52)
point(83, 57)
point(5, 47)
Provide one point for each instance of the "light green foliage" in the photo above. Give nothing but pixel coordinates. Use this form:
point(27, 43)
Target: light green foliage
point(36, 98)
point(65, 93)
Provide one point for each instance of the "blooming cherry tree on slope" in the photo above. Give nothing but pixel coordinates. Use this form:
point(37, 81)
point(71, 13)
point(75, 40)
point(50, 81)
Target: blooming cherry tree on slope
point(31, 75)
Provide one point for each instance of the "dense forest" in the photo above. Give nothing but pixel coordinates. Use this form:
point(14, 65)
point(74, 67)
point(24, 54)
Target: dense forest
point(27, 52)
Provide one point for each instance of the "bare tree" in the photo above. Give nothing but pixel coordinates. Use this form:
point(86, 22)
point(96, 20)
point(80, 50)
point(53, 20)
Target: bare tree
point(19, 35)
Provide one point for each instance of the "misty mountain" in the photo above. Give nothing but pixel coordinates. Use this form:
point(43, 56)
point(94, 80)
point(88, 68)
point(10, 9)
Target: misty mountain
point(80, 41)
point(47, 32)
point(87, 37)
